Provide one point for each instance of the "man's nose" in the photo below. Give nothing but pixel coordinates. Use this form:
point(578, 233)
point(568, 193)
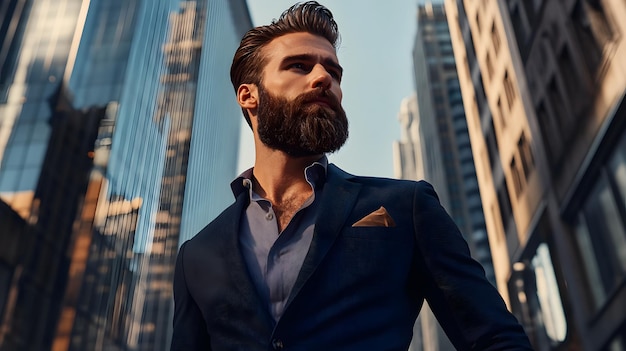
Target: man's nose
point(321, 77)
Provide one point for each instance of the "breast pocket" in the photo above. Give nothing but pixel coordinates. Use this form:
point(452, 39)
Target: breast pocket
point(372, 255)
point(376, 233)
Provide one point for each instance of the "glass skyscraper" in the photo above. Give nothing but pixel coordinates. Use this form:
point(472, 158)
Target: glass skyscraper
point(35, 49)
point(118, 139)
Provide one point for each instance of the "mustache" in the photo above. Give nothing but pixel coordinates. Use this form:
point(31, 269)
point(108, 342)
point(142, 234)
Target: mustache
point(319, 94)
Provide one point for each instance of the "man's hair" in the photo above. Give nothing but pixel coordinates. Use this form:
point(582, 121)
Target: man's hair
point(309, 17)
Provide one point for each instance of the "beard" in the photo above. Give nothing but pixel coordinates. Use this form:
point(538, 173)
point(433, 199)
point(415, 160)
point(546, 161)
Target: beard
point(301, 127)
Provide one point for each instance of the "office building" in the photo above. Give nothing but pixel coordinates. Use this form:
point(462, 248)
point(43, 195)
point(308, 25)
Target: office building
point(407, 152)
point(138, 150)
point(436, 125)
point(446, 151)
point(544, 82)
point(34, 52)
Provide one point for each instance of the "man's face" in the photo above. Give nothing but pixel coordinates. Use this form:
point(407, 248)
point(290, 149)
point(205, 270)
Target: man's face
point(299, 110)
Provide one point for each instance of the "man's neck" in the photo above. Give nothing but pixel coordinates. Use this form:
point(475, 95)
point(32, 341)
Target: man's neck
point(278, 176)
point(280, 179)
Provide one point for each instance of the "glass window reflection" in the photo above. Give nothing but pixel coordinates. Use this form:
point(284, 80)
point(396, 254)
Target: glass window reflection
point(15, 156)
point(8, 180)
point(600, 229)
point(35, 153)
point(618, 170)
point(537, 299)
point(28, 178)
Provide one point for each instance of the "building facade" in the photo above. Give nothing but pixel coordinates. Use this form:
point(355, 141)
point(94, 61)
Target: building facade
point(437, 145)
point(35, 51)
point(139, 137)
point(544, 82)
point(447, 157)
point(407, 152)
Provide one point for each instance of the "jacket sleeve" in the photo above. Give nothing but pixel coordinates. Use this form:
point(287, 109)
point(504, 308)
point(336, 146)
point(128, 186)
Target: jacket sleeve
point(190, 332)
point(469, 309)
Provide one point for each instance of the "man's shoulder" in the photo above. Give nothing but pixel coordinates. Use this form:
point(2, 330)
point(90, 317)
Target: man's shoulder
point(377, 181)
point(224, 223)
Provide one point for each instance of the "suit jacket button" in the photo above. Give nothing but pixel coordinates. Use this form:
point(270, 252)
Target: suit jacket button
point(277, 344)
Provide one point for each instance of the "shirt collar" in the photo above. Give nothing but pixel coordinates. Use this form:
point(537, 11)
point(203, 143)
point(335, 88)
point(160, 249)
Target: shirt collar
point(315, 175)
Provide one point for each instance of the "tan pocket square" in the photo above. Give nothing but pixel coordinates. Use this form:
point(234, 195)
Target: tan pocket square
point(378, 218)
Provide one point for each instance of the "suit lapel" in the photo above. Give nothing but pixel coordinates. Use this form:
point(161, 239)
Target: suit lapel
point(337, 200)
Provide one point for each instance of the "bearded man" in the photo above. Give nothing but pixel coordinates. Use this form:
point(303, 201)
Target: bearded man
point(310, 257)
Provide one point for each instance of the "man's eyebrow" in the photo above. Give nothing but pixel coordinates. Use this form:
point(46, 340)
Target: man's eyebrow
point(309, 57)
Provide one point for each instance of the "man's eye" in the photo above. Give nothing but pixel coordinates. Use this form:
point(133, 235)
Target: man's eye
point(298, 66)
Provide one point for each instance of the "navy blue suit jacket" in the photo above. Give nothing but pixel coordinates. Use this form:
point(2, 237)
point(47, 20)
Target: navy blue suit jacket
point(360, 288)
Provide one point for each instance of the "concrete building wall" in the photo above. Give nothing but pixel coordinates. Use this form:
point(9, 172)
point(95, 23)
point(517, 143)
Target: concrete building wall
point(554, 82)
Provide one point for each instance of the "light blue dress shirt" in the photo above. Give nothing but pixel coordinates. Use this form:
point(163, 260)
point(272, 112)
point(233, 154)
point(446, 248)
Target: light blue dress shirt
point(274, 259)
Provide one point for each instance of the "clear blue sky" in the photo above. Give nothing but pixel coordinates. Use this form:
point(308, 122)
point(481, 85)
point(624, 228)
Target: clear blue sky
point(376, 54)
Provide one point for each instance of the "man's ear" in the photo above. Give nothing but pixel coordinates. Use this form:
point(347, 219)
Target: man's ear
point(248, 96)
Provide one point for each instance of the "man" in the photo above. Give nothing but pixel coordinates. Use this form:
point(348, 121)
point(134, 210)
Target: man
point(310, 257)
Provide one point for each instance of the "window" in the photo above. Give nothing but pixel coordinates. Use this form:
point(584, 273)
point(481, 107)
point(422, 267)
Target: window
point(522, 164)
point(568, 73)
point(536, 298)
point(601, 229)
point(601, 237)
point(617, 167)
point(501, 112)
point(14, 156)
point(455, 98)
point(489, 65)
point(559, 109)
point(549, 133)
point(509, 90)
point(504, 201)
point(430, 48)
point(589, 46)
point(518, 182)
point(446, 49)
point(495, 38)
point(492, 145)
point(525, 155)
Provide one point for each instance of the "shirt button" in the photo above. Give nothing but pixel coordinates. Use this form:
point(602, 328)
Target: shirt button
point(269, 216)
point(277, 344)
point(247, 183)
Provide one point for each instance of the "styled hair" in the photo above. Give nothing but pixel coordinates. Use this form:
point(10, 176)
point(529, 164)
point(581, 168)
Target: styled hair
point(309, 17)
